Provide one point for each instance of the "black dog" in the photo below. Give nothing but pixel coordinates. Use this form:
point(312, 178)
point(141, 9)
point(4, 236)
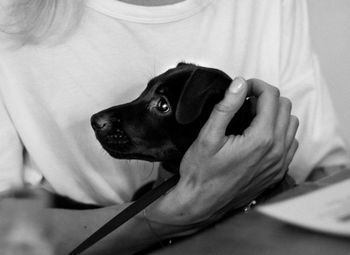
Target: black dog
point(165, 119)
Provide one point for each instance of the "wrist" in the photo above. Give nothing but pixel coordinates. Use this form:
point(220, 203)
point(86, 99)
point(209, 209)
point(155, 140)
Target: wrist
point(165, 218)
point(179, 207)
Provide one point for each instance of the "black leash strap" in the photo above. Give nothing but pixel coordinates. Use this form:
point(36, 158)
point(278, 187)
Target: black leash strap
point(126, 214)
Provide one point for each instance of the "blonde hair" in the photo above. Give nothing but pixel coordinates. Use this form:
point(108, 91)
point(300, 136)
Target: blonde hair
point(35, 21)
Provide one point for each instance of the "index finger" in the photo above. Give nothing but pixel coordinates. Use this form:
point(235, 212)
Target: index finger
point(267, 104)
point(223, 112)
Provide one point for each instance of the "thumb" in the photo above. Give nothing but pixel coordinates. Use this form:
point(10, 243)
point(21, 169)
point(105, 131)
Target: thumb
point(224, 111)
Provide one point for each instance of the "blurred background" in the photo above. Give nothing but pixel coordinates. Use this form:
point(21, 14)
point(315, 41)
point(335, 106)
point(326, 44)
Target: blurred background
point(330, 34)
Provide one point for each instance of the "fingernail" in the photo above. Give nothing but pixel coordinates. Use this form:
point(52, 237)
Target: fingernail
point(237, 85)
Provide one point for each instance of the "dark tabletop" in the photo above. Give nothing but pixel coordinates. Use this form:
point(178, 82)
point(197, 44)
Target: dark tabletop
point(253, 233)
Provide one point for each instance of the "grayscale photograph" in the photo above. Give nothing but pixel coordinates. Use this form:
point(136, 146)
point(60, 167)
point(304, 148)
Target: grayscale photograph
point(174, 127)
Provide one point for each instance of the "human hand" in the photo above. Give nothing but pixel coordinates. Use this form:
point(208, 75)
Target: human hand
point(218, 170)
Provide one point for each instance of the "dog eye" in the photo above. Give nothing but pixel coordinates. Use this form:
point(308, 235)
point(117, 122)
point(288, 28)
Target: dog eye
point(163, 106)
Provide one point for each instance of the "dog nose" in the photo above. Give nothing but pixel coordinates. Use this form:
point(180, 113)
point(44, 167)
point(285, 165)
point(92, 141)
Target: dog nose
point(100, 123)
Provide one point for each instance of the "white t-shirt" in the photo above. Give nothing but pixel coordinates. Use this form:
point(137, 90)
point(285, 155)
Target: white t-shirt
point(48, 93)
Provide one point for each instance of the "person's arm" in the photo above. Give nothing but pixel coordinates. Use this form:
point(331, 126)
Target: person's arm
point(321, 143)
point(71, 227)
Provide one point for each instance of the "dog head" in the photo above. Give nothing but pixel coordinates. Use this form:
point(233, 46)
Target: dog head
point(165, 119)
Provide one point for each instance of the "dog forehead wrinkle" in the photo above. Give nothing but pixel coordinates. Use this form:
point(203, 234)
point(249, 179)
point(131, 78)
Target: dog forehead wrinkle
point(150, 90)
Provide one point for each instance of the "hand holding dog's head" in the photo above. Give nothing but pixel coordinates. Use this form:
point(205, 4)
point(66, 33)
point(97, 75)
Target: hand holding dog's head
point(165, 119)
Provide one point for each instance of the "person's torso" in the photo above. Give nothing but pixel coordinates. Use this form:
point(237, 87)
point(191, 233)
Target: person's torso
point(52, 91)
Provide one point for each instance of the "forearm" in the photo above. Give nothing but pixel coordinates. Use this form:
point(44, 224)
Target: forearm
point(71, 227)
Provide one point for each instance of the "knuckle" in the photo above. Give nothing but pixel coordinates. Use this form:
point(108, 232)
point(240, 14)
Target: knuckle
point(277, 154)
point(295, 145)
point(286, 103)
point(294, 119)
point(205, 141)
point(280, 175)
point(275, 91)
point(266, 141)
point(222, 107)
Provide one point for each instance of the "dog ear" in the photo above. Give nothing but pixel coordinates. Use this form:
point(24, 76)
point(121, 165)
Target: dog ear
point(204, 84)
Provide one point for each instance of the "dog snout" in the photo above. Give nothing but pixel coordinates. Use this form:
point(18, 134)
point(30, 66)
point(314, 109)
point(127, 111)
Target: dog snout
point(101, 123)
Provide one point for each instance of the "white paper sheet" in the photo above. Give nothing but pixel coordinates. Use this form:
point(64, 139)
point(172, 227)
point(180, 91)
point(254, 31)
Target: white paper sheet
point(325, 210)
